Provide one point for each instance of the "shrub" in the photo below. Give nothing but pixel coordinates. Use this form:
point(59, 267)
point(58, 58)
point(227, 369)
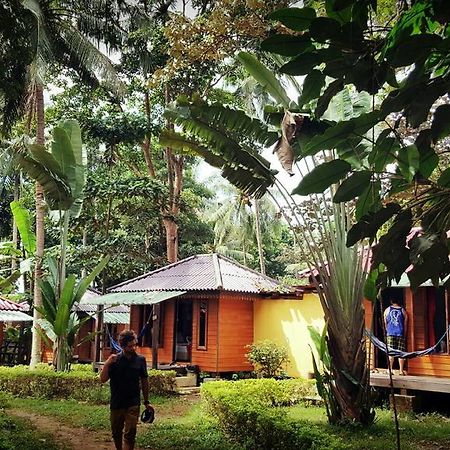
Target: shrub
point(268, 357)
point(79, 384)
point(249, 411)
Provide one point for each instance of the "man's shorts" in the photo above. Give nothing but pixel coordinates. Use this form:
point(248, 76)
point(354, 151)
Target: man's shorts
point(397, 342)
point(124, 420)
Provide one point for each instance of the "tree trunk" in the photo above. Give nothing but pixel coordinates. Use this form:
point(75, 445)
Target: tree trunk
point(262, 264)
point(15, 233)
point(146, 146)
point(171, 228)
point(36, 346)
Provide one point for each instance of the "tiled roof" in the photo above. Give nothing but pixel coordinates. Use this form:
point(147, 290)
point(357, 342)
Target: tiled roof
point(8, 305)
point(201, 273)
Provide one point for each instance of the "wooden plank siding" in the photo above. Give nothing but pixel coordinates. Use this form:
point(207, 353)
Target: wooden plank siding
point(229, 331)
point(235, 331)
point(416, 305)
point(206, 359)
point(85, 350)
point(437, 365)
point(368, 319)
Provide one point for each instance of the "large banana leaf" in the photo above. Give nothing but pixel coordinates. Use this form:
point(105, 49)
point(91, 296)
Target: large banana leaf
point(22, 218)
point(63, 153)
point(64, 306)
point(49, 304)
point(241, 177)
point(86, 282)
point(265, 78)
point(56, 190)
point(209, 124)
point(73, 131)
point(175, 140)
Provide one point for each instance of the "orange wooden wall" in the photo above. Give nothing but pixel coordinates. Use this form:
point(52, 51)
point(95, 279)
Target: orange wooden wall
point(432, 365)
point(206, 359)
point(165, 352)
point(417, 336)
point(229, 331)
point(235, 331)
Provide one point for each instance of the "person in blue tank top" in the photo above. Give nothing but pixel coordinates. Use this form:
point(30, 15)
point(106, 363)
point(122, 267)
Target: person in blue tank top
point(396, 322)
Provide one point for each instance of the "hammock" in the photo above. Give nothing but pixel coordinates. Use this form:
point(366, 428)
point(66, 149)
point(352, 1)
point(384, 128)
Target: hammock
point(114, 343)
point(400, 354)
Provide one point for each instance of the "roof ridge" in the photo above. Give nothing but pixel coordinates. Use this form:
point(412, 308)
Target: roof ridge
point(152, 272)
point(232, 261)
point(217, 272)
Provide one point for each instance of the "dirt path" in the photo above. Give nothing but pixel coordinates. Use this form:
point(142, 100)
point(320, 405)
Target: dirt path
point(67, 437)
point(71, 438)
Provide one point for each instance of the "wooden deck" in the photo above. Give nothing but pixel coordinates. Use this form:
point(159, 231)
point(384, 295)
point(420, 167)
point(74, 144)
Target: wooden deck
point(413, 382)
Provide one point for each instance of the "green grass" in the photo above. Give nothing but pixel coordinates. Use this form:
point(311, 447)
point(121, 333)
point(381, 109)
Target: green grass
point(192, 431)
point(428, 431)
point(182, 424)
point(17, 434)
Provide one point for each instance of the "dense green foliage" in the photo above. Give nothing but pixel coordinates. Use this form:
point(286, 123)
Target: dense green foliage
point(405, 67)
point(181, 422)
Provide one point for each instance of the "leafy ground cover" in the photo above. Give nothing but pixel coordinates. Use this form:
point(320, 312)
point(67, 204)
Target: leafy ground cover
point(182, 423)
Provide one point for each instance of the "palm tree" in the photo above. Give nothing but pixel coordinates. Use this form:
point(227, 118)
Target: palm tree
point(239, 222)
point(61, 32)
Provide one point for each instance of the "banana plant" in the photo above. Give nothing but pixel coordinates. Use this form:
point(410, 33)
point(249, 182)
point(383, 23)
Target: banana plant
point(62, 174)
point(60, 323)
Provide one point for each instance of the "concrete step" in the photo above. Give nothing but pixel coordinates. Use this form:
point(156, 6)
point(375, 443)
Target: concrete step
point(188, 390)
point(187, 381)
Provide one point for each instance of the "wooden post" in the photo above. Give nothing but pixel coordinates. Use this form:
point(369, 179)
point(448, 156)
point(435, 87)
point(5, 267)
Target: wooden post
point(155, 334)
point(98, 335)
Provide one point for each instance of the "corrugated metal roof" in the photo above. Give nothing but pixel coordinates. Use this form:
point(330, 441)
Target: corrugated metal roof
point(135, 298)
point(14, 316)
point(201, 273)
point(111, 317)
point(115, 314)
point(8, 305)
point(92, 308)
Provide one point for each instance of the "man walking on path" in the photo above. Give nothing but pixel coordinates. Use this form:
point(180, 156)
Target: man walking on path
point(396, 321)
point(127, 372)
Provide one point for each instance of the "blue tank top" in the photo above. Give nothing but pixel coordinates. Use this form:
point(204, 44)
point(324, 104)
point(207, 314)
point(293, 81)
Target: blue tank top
point(395, 321)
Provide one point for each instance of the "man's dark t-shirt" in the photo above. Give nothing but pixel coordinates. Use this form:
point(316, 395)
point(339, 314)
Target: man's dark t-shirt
point(125, 375)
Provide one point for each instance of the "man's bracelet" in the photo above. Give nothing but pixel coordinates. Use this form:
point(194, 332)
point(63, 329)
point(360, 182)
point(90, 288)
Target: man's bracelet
point(146, 402)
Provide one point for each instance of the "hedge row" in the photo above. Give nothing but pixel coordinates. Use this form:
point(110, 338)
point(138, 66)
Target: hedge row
point(81, 383)
point(249, 411)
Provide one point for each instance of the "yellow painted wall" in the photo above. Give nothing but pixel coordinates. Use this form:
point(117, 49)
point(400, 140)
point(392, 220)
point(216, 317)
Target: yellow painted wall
point(285, 321)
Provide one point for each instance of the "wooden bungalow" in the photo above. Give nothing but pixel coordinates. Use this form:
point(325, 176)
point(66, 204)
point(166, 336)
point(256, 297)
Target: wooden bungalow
point(206, 311)
point(14, 350)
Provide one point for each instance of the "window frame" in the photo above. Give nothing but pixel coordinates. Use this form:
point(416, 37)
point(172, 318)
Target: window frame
point(206, 314)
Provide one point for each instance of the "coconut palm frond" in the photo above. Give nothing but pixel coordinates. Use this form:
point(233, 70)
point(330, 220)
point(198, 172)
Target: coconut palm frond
point(86, 57)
